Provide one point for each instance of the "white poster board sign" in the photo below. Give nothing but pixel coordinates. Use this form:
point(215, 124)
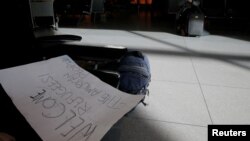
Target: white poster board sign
point(63, 102)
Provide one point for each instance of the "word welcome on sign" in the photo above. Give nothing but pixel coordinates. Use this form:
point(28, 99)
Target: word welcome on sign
point(63, 102)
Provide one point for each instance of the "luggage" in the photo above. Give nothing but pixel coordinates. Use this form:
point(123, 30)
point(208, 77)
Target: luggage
point(135, 75)
point(190, 19)
point(195, 24)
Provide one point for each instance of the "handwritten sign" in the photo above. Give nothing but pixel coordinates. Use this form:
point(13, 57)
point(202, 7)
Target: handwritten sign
point(63, 102)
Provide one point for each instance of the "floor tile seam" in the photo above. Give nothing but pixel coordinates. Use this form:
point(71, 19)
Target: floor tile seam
point(202, 93)
point(169, 122)
point(172, 81)
point(224, 86)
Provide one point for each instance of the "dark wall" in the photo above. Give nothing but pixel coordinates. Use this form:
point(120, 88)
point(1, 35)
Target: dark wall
point(17, 36)
point(226, 8)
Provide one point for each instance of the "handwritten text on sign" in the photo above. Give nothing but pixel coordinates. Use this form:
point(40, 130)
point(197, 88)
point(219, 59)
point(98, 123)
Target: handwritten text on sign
point(63, 102)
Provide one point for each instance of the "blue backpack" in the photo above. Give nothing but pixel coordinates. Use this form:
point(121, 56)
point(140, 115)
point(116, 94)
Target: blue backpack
point(135, 75)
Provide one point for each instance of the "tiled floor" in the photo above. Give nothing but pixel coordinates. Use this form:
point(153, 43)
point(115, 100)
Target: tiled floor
point(196, 81)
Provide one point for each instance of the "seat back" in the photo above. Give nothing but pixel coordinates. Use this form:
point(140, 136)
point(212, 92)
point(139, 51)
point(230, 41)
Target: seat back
point(42, 13)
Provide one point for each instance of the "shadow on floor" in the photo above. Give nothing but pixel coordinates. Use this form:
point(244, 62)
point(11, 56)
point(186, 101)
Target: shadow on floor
point(227, 58)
